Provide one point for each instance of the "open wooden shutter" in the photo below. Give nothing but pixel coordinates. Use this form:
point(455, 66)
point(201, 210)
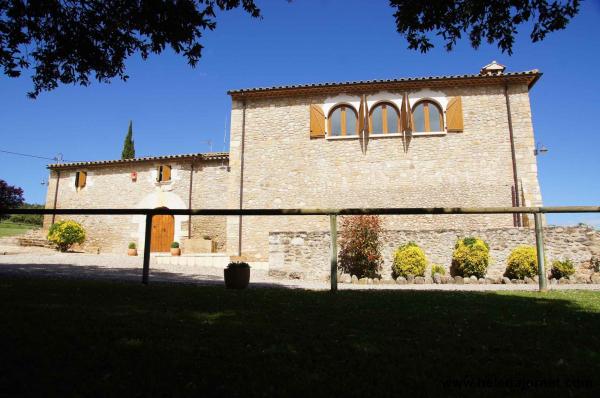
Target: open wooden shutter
point(454, 115)
point(80, 178)
point(166, 173)
point(317, 122)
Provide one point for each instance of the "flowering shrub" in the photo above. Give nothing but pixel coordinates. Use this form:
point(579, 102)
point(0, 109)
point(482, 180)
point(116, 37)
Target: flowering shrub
point(409, 259)
point(65, 234)
point(522, 262)
point(360, 252)
point(562, 269)
point(471, 256)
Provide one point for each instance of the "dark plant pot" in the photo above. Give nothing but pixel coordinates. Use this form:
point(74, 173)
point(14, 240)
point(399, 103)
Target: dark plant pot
point(237, 278)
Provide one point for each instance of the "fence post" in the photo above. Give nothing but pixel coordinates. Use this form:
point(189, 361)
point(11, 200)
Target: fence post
point(147, 240)
point(539, 244)
point(333, 258)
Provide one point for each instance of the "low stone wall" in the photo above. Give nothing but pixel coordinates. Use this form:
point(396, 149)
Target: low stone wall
point(306, 254)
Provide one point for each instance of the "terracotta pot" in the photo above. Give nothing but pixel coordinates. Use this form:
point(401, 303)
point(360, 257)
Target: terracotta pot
point(175, 251)
point(237, 278)
point(132, 252)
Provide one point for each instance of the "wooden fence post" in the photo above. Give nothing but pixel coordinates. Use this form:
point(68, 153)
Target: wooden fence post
point(539, 244)
point(333, 257)
point(147, 241)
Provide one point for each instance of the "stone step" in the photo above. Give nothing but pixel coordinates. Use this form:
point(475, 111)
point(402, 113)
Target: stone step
point(36, 242)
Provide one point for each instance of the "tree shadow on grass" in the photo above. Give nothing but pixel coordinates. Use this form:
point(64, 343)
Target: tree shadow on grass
point(98, 338)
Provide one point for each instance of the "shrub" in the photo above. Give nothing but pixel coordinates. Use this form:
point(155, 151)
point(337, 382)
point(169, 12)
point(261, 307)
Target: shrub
point(522, 262)
point(132, 245)
point(471, 256)
point(65, 234)
point(175, 245)
point(409, 259)
point(437, 269)
point(360, 252)
point(562, 269)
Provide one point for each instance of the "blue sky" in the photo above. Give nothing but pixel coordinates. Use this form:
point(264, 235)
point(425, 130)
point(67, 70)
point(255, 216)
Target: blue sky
point(175, 108)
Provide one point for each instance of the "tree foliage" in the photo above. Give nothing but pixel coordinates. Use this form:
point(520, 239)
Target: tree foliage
point(494, 21)
point(128, 146)
point(10, 196)
point(72, 42)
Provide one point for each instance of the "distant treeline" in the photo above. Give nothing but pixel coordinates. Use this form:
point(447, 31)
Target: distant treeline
point(32, 219)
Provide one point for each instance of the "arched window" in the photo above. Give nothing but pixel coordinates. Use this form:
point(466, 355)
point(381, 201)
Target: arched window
point(426, 117)
point(343, 121)
point(384, 119)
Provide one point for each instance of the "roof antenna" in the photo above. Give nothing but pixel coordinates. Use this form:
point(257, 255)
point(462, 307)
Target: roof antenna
point(59, 158)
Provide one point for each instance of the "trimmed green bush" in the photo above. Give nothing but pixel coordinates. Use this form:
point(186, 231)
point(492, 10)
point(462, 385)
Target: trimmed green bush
point(132, 245)
point(471, 256)
point(409, 259)
point(175, 245)
point(562, 269)
point(522, 263)
point(65, 234)
point(437, 269)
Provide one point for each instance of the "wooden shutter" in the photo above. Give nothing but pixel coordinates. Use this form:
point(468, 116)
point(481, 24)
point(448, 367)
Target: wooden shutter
point(80, 178)
point(317, 122)
point(454, 115)
point(166, 173)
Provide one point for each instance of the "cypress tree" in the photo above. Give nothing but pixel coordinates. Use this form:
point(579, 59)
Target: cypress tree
point(128, 147)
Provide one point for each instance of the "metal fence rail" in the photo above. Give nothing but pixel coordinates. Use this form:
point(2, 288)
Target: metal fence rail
point(332, 213)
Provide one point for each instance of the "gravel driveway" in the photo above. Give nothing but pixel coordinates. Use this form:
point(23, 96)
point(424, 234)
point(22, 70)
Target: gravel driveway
point(41, 262)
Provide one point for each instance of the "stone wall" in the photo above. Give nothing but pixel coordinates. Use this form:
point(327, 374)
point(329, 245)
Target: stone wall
point(284, 168)
point(306, 254)
point(111, 186)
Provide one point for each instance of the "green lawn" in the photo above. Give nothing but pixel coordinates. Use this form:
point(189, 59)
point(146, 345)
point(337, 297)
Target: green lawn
point(11, 229)
point(92, 338)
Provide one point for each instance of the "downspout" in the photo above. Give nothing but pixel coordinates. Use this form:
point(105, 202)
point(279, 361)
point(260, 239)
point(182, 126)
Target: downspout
point(517, 217)
point(190, 199)
point(242, 176)
point(55, 195)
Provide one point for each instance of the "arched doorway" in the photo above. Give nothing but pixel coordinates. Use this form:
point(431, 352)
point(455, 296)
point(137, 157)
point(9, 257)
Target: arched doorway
point(163, 232)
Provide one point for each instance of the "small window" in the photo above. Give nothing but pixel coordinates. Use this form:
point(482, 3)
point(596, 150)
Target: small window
point(427, 117)
point(384, 119)
point(164, 173)
point(343, 121)
point(80, 179)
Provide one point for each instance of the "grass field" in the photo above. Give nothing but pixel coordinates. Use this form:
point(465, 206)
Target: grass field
point(11, 229)
point(91, 338)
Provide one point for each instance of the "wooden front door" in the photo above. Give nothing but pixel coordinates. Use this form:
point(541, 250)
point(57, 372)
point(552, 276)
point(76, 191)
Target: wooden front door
point(163, 231)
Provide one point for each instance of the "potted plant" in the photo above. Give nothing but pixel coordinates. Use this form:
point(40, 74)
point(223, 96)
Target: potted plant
point(175, 250)
point(132, 251)
point(237, 275)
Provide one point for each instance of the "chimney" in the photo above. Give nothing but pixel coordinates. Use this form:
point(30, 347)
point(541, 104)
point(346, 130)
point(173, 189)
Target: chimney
point(492, 69)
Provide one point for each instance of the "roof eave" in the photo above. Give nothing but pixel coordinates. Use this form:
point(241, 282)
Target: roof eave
point(529, 77)
point(120, 162)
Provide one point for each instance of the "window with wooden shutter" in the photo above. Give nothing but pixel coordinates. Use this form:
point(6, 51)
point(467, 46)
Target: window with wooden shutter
point(80, 179)
point(317, 122)
point(454, 115)
point(164, 173)
point(427, 117)
point(343, 121)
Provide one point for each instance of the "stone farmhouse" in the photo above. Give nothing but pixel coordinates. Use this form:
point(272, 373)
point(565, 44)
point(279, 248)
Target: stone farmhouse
point(462, 140)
